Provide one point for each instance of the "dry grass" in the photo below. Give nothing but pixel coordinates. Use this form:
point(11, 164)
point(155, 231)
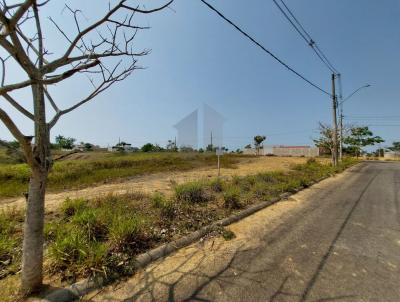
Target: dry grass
point(104, 168)
point(101, 236)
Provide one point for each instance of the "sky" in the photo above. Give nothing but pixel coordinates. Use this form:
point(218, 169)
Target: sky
point(198, 58)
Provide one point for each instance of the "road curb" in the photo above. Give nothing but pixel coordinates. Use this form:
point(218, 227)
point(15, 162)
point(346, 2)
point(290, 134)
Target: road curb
point(81, 288)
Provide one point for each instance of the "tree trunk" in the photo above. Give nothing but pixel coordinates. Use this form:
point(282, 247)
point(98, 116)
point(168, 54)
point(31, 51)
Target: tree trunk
point(32, 260)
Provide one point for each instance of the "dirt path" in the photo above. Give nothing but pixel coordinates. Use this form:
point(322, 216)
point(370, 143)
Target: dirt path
point(162, 182)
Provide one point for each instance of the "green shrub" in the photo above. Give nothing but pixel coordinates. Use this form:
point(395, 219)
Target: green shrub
point(90, 221)
point(192, 192)
point(10, 241)
point(124, 229)
point(216, 185)
point(167, 206)
point(232, 198)
point(72, 247)
point(72, 206)
point(260, 190)
point(228, 234)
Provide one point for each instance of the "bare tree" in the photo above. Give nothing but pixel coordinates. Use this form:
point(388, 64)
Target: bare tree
point(325, 140)
point(102, 51)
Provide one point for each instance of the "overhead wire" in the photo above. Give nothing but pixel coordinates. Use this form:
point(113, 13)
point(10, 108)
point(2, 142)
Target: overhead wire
point(305, 35)
point(263, 48)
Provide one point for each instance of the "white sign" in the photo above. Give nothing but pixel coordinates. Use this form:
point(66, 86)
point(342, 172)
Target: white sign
point(219, 151)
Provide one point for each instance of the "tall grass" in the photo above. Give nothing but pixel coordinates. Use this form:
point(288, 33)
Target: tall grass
point(73, 174)
point(103, 235)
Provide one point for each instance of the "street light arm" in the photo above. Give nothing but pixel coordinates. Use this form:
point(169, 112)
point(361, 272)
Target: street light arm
point(354, 92)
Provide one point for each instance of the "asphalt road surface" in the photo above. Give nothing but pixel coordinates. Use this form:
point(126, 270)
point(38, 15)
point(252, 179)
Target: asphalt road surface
point(343, 244)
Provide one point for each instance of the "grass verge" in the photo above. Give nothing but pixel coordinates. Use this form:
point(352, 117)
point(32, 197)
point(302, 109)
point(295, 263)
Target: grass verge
point(102, 236)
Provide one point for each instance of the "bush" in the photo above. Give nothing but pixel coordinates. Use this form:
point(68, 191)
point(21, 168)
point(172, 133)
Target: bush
point(72, 247)
point(216, 185)
point(10, 241)
point(124, 229)
point(192, 192)
point(232, 198)
point(166, 206)
point(72, 206)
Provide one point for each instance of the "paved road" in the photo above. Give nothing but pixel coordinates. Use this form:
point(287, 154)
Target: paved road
point(343, 244)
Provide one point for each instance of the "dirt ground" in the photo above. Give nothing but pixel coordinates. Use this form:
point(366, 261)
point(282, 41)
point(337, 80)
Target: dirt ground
point(199, 264)
point(163, 182)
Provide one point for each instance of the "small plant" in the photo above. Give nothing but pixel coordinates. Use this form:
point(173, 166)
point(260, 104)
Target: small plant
point(167, 206)
point(216, 185)
point(124, 230)
point(232, 198)
point(71, 206)
point(192, 192)
point(158, 199)
point(228, 234)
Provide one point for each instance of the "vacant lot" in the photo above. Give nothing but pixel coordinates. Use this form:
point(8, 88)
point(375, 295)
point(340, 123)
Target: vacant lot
point(96, 168)
point(164, 182)
point(102, 235)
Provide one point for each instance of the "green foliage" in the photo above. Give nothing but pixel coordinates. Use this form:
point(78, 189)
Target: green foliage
point(258, 140)
point(395, 147)
point(151, 148)
point(10, 241)
point(166, 206)
point(216, 185)
point(72, 206)
point(191, 192)
point(124, 229)
point(228, 234)
point(361, 137)
point(105, 167)
point(65, 142)
point(232, 198)
point(103, 235)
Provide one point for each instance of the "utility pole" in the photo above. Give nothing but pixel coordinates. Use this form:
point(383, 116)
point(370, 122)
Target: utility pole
point(341, 132)
point(211, 142)
point(334, 126)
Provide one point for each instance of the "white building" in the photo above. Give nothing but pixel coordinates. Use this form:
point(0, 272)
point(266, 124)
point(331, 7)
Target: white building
point(295, 151)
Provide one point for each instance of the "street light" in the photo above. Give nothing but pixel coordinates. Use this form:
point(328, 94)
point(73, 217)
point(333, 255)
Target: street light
point(341, 117)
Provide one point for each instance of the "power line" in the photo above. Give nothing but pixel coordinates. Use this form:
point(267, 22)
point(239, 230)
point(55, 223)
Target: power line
point(263, 48)
point(305, 35)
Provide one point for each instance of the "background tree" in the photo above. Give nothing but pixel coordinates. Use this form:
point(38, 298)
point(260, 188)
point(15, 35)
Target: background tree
point(395, 147)
point(101, 52)
point(171, 146)
point(360, 137)
point(325, 139)
point(258, 140)
point(65, 142)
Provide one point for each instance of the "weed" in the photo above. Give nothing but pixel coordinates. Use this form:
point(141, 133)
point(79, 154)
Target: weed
point(72, 206)
point(228, 234)
point(191, 192)
point(232, 198)
point(216, 185)
point(167, 206)
point(124, 230)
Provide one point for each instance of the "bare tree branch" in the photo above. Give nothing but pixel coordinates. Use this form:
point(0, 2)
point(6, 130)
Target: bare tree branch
point(22, 139)
point(17, 106)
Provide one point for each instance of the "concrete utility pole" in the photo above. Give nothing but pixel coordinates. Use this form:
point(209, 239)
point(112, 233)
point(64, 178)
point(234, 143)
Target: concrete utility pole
point(334, 126)
point(341, 131)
